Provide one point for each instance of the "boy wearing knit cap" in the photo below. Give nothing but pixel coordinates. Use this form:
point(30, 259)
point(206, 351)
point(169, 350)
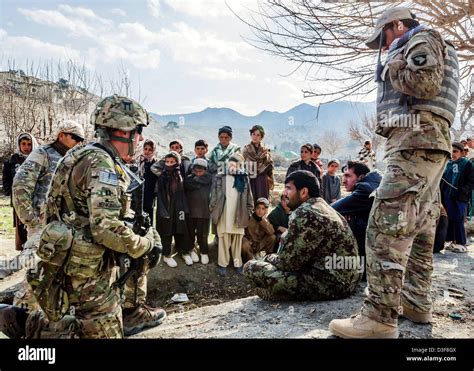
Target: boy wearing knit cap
point(259, 235)
point(198, 193)
point(231, 206)
point(172, 212)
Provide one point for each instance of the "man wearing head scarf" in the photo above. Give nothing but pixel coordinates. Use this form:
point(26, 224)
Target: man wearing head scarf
point(25, 143)
point(145, 162)
point(416, 104)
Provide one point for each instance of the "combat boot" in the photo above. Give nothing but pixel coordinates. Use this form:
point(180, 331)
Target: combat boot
point(417, 317)
point(362, 327)
point(13, 321)
point(141, 317)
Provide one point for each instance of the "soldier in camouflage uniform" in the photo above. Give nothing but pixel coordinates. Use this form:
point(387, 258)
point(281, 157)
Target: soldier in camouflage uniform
point(29, 189)
point(89, 192)
point(306, 266)
point(31, 183)
point(417, 100)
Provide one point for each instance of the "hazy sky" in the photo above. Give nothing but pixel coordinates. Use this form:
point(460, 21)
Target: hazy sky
point(187, 54)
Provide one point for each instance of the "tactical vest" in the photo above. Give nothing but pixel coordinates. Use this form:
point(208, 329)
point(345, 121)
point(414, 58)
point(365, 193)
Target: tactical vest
point(86, 257)
point(42, 185)
point(391, 103)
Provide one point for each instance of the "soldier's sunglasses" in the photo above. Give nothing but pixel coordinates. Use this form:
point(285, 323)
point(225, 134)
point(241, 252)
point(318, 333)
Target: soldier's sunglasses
point(140, 129)
point(75, 137)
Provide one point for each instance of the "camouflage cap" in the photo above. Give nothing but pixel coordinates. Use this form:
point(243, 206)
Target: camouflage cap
point(70, 127)
point(117, 112)
point(390, 15)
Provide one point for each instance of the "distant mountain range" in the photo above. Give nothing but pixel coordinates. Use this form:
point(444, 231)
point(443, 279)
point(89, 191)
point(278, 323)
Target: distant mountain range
point(285, 130)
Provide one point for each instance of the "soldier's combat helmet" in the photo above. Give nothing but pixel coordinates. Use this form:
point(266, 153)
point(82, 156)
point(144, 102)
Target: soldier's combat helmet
point(119, 113)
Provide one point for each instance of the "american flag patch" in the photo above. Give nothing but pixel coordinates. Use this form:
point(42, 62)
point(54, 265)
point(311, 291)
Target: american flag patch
point(108, 178)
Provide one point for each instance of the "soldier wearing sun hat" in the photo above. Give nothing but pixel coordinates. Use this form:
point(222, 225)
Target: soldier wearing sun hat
point(416, 104)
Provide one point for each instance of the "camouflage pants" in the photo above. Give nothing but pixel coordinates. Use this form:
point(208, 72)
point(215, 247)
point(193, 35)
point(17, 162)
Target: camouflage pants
point(96, 306)
point(400, 235)
point(28, 259)
point(135, 290)
point(274, 284)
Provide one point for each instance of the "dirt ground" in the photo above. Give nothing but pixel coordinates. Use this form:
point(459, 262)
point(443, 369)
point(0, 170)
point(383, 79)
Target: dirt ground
point(251, 317)
point(227, 307)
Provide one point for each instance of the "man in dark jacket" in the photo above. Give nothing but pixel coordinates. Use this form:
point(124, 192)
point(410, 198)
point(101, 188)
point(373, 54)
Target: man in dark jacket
point(173, 211)
point(456, 187)
point(305, 162)
point(279, 218)
point(359, 180)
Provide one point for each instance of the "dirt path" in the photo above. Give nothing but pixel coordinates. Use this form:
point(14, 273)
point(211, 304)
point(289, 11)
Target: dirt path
point(226, 308)
point(254, 318)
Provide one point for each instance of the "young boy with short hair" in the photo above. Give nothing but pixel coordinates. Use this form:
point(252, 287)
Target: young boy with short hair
point(201, 148)
point(259, 234)
point(331, 184)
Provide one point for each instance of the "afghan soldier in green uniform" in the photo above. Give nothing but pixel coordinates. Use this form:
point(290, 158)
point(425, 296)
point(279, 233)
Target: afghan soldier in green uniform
point(87, 204)
point(30, 186)
point(308, 264)
point(416, 105)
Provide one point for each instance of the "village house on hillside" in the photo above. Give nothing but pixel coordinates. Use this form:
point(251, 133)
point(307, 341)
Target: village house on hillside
point(33, 105)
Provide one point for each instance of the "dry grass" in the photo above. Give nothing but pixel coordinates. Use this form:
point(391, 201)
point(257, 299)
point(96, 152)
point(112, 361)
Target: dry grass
point(6, 218)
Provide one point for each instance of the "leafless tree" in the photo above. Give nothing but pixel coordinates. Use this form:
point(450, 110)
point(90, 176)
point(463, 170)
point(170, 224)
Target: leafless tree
point(365, 130)
point(325, 40)
point(331, 143)
point(37, 97)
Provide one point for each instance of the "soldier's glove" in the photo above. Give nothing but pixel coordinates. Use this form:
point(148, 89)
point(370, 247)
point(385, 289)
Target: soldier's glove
point(150, 236)
point(154, 256)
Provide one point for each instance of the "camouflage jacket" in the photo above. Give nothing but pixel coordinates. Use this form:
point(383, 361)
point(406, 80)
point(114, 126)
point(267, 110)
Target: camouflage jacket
point(31, 184)
point(316, 233)
point(98, 187)
point(417, 98)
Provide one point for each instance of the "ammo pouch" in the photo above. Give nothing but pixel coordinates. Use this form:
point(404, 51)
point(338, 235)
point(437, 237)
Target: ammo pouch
point(55, 242)
point(86, 257)
point(48, 279)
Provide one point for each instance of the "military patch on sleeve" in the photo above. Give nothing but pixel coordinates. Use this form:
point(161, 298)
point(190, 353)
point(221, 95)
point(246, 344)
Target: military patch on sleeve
point(419, 60)
point(108, 178)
